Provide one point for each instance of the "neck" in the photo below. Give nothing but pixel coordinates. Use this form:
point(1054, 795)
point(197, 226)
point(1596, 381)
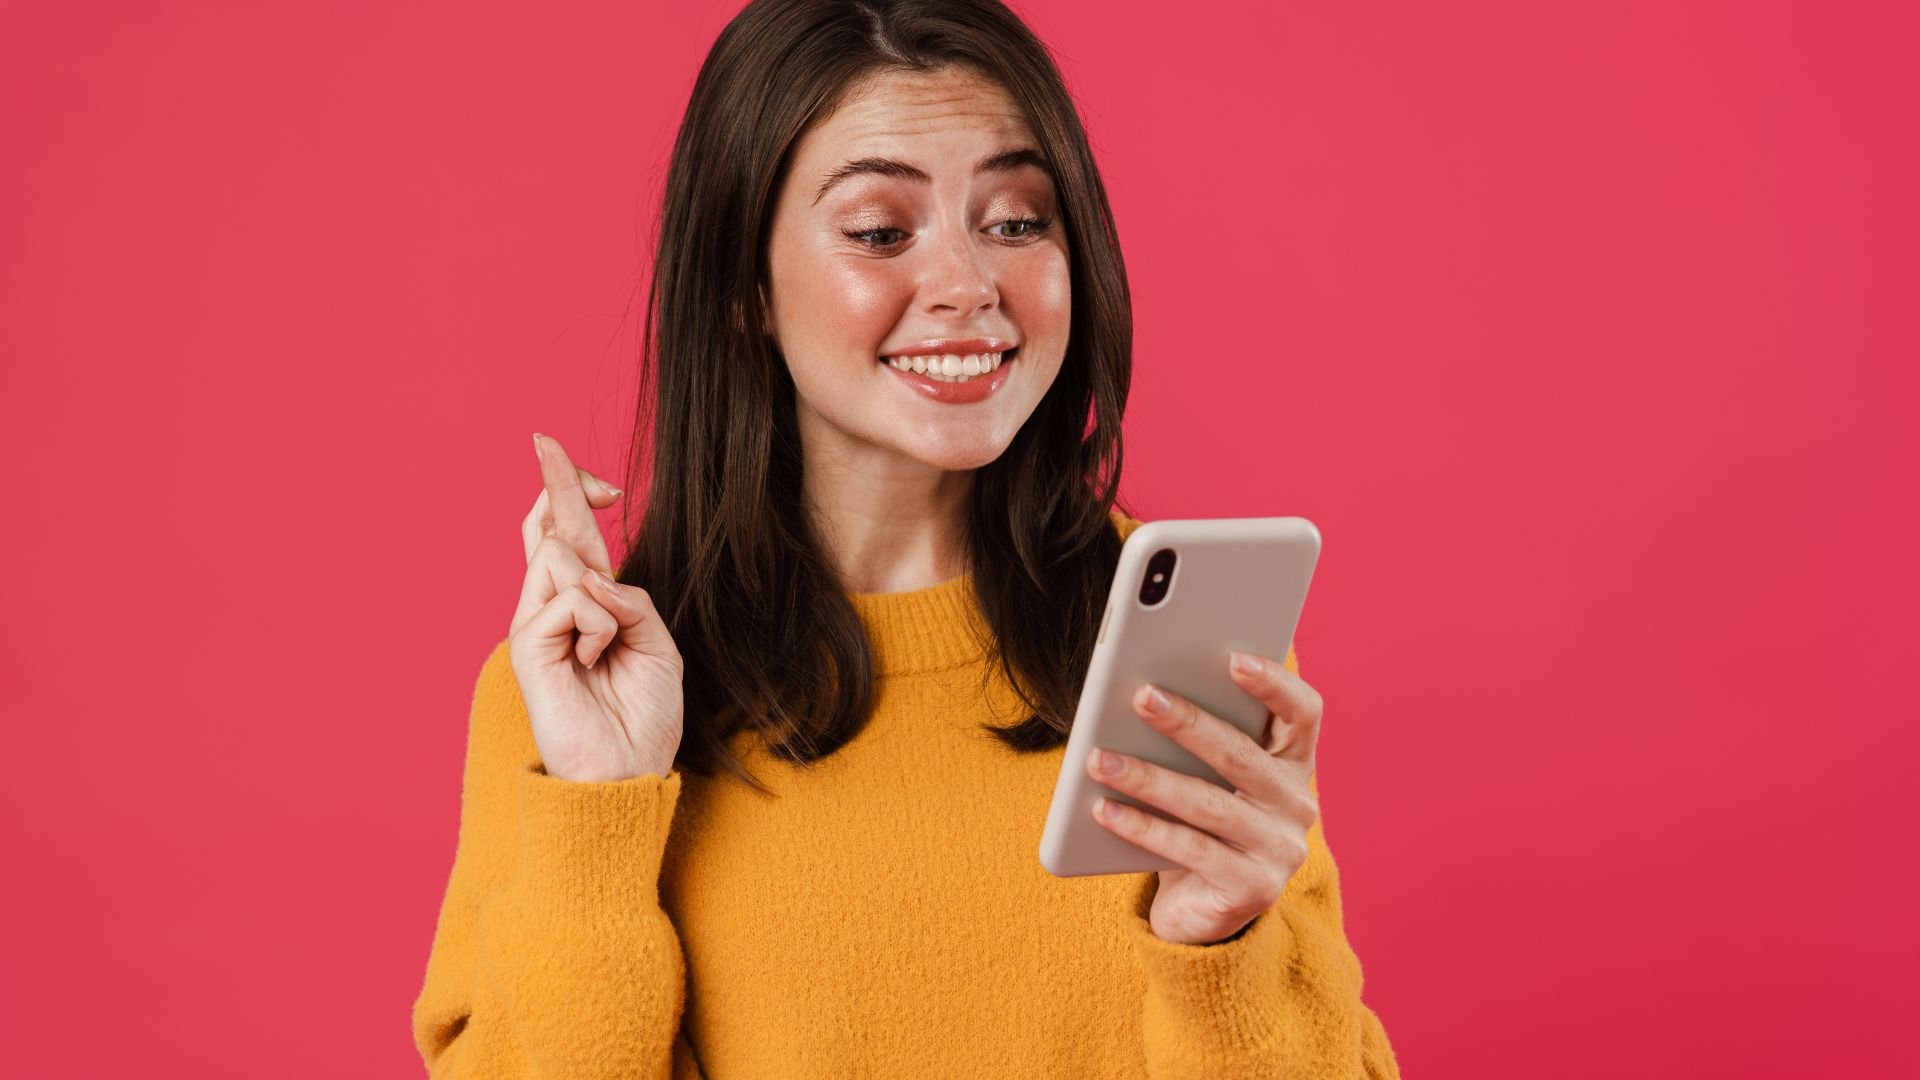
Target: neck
point(890, 523)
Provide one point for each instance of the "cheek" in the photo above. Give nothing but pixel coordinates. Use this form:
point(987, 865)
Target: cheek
point(869, 293)
point(1039, 293)
point(851, 303)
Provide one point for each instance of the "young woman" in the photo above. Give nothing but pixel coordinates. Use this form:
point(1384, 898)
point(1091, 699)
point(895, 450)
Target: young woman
point(766, 801)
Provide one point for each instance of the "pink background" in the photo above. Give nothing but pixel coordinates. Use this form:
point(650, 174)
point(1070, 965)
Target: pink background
point(1586, 336)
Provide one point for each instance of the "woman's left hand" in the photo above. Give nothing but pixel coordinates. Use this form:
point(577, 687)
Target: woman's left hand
point(1238, 847)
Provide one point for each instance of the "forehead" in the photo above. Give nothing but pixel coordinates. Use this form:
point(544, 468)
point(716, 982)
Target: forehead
point(902, 109)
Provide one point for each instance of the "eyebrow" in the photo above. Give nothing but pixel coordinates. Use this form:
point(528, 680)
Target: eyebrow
point(1004, 161)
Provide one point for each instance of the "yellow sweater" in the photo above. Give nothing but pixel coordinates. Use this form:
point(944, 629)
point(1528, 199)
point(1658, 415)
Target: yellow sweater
point(886, 916)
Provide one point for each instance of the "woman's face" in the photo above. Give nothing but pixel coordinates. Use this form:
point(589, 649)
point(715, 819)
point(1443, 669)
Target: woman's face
point(884, 262)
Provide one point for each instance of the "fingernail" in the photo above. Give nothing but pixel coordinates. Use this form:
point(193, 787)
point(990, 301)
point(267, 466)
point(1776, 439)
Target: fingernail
point(536, 442)
point(1105, 763)
point(1245, 664)
point(1156, 700)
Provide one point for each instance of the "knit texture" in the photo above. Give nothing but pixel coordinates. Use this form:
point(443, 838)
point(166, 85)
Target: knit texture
point(884, 915)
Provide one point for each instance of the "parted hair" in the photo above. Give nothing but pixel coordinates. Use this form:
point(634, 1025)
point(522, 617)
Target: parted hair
point(725, 547)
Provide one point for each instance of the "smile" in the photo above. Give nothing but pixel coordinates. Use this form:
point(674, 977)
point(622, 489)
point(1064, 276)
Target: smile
point(948, 367)
point(954, 378)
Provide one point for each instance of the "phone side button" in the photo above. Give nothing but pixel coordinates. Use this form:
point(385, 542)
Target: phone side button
point(1104, 616)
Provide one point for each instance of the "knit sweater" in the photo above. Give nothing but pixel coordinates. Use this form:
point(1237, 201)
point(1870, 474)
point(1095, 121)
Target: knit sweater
point(885, 915)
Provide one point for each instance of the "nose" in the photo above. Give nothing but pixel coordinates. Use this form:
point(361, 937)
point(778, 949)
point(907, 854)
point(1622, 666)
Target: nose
point(958, 280)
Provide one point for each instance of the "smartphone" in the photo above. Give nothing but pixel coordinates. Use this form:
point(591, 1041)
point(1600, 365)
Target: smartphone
point(1185, 594)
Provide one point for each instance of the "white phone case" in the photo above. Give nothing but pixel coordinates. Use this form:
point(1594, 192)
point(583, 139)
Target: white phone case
point(1235, 583)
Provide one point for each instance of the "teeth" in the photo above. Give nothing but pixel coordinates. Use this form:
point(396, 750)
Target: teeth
point(950, 367)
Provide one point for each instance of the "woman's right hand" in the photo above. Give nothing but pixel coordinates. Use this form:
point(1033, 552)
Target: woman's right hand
point(598, 671)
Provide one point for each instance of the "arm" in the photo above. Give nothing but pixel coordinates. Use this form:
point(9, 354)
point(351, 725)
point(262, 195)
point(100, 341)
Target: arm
point(552, 956)
point(1280, 998)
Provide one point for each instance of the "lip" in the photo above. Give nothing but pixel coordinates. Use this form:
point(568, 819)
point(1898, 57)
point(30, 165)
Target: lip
point(958, 346)
point(960, 393)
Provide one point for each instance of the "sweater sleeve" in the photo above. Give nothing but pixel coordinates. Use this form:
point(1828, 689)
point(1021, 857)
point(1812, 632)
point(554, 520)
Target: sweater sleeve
point(552, 956)
point(1281, 998)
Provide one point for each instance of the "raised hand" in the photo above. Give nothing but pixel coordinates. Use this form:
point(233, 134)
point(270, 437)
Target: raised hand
point(597, 669)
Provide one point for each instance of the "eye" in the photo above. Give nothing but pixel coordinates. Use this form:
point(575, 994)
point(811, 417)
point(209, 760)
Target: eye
point(860, 236)
point(1031, 226)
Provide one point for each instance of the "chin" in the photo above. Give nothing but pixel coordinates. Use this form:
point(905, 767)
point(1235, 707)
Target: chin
point(963, 455)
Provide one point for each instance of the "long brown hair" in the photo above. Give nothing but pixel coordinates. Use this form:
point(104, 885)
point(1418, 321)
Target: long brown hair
point(726, 550)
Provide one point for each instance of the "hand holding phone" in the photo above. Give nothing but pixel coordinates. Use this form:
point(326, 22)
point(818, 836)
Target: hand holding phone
point(1186, 594)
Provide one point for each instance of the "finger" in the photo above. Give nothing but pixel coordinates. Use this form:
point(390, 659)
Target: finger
point(554, 567)
point(550, 635)
point(1200, 803)
point(1293, 730)
point(572, 516)
point(640, 626)
point(1233, 753)
point(536, 524)
point(539, 520)
point(1205, 855)
point(598, 627)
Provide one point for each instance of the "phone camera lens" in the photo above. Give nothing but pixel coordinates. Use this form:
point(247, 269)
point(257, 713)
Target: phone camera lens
point(1159, 576)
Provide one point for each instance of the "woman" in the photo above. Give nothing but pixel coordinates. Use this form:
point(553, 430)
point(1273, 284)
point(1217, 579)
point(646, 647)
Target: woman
point(767, 801)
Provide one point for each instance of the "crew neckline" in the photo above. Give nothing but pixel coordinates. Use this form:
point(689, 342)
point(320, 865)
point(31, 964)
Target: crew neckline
point(931, 628)
point(928, 629)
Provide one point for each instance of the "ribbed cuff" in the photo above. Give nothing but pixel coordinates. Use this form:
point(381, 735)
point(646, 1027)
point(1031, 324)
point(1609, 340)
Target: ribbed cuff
point(1227, 995)
point(593, 846)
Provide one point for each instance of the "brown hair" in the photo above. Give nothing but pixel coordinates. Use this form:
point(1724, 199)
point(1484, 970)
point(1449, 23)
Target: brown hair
point(726, 550)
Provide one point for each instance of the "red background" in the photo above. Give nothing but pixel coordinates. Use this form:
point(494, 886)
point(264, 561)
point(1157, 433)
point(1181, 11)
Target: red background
point(1586, 336)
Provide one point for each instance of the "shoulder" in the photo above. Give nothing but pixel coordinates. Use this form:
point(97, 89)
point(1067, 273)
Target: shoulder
point(1123, 523)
